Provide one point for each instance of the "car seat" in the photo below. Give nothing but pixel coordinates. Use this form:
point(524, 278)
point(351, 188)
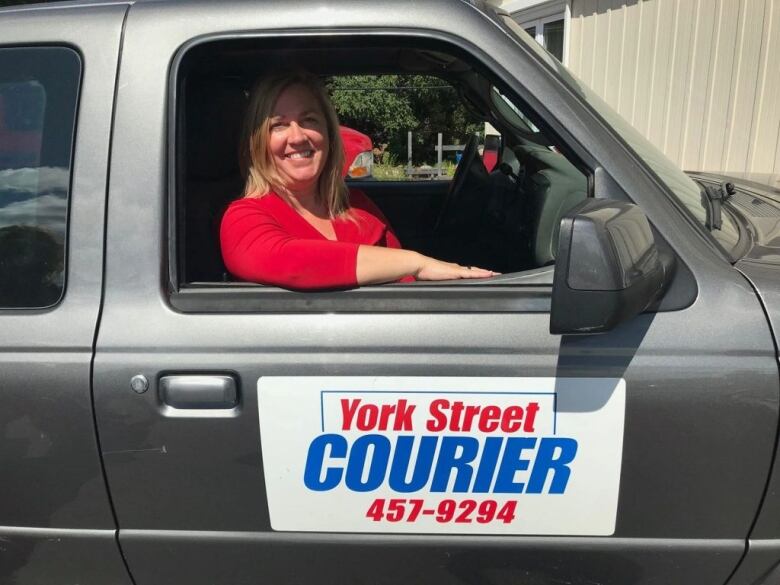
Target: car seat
point(553, 185)
point(215, 111)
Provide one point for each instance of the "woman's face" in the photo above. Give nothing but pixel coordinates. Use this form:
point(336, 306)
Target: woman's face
point(298, 140)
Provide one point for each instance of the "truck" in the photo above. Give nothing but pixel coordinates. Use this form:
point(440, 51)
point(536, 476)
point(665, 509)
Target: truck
point(603, 411)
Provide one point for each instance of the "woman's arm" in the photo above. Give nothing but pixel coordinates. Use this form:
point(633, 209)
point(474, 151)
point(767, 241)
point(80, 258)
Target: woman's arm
point(389, 263)
point(256, 248)
point(376, 265)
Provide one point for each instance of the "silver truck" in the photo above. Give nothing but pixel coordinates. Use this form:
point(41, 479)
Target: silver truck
point(605, 411)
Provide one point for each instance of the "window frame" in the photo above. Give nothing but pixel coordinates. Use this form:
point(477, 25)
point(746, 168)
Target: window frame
point(77, 98)
point(531, 294)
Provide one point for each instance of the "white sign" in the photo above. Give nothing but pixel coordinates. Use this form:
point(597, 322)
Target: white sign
point(442, 455)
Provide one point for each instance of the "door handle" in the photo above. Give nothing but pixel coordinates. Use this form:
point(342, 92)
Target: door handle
point(189, 391)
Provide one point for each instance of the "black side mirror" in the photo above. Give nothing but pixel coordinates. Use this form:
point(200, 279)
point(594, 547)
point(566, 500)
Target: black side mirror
point(608, 267)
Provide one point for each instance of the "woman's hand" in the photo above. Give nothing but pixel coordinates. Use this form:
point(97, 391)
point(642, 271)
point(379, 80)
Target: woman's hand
point(376, 264)
point(433, 269)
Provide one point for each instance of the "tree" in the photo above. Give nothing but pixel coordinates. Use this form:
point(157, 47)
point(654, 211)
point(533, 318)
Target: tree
point(386, 107)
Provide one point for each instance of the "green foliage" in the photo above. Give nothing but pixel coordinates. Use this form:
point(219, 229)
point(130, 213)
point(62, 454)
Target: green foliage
point(390, 159)
point(389, 173)
point(449, 168)
point(372, 105)
point(386, 107)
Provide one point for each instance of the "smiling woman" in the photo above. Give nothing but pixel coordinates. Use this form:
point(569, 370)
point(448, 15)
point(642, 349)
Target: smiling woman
point(298, 226)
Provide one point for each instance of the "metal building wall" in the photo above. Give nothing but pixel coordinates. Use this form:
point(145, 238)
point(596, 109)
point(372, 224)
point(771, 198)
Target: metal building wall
point(699, 78)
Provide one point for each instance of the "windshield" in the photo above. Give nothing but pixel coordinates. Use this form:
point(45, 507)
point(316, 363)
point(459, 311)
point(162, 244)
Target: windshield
point(688, 193)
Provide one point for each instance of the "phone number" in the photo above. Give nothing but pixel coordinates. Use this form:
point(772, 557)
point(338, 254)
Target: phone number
point(459, 512)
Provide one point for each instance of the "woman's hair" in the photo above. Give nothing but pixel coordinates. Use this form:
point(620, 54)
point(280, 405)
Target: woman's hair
point(256, 160)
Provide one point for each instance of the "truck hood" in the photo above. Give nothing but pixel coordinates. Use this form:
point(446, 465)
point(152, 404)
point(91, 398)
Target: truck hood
point(757, 199)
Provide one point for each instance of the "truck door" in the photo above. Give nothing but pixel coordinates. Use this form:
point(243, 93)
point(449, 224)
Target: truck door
point(57, 74)
point(212, 398)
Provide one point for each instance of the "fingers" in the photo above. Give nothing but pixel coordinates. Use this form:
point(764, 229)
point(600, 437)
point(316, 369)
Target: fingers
point(437, 270)
point(476, 272)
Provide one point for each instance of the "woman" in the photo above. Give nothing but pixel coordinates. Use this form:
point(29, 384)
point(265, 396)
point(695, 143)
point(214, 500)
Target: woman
point(297, 225)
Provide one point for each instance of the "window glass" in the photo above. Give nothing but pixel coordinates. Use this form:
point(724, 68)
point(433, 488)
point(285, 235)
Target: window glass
point(38, 98)
point(511, 113)
point(552, 184)
point(687, 192)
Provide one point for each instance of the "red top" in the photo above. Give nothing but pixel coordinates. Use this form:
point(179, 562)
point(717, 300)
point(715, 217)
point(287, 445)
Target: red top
point(265, 240)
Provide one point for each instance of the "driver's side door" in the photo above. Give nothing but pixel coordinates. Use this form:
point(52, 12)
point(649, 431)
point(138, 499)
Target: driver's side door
point(243, 380)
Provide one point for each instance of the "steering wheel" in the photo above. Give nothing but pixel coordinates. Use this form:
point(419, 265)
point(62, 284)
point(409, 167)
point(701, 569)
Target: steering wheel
point(462, 203)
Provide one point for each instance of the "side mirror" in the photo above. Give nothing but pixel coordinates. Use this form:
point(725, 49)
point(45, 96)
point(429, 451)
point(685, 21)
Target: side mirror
point(608, 267)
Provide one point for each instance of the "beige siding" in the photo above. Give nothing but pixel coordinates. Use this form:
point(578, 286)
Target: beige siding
point(693, 125)
point(766, 120)
point(699, 78)
point(678, 105)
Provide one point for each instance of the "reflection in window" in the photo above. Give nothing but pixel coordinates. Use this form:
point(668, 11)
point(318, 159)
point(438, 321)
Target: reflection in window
point(682, 186)
point(38, 95)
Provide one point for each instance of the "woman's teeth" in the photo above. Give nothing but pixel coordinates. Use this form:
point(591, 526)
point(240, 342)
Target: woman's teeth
point(304, 154)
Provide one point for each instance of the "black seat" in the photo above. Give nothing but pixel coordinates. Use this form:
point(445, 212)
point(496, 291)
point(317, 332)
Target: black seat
point(215, 110)
point(553, 186)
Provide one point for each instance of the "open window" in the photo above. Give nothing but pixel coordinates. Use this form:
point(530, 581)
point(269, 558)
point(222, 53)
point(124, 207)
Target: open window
point(427, 176)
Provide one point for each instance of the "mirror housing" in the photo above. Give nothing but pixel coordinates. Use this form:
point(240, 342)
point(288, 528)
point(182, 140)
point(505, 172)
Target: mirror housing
point(608, 267)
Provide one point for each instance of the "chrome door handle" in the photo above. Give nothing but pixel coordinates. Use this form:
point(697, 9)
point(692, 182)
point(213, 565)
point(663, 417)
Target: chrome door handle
point(192, 391)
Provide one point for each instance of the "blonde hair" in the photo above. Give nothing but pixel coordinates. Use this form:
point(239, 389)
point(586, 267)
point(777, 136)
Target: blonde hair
point(257, 163)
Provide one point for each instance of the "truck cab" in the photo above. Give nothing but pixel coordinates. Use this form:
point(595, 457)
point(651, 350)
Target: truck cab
point(164, 423)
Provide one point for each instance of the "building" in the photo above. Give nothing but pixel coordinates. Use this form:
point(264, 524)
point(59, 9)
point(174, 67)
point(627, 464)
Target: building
point(699, 78)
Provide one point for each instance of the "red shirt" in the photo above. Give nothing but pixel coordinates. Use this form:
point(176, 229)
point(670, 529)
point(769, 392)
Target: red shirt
point(265, 240)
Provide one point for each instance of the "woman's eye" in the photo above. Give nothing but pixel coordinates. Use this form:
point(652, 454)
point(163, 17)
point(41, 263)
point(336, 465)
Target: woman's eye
point(277, 126)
